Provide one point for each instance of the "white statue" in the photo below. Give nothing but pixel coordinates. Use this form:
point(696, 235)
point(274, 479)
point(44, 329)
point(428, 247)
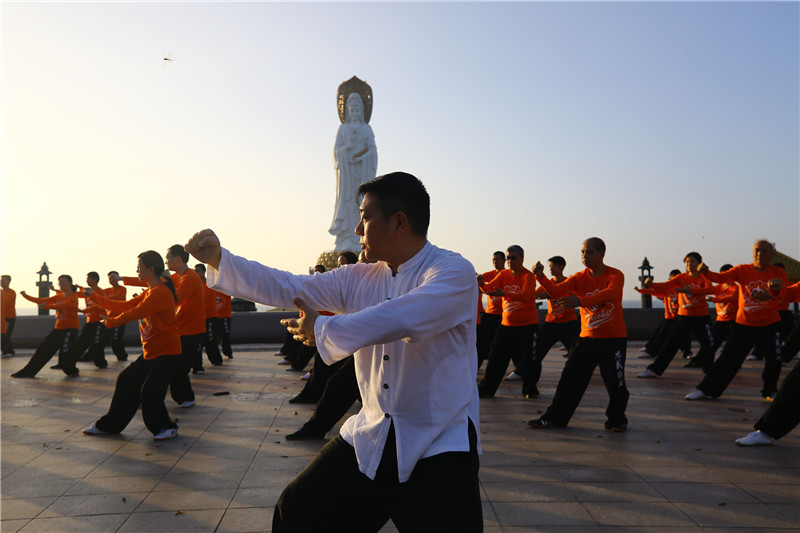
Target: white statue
point(356, 161)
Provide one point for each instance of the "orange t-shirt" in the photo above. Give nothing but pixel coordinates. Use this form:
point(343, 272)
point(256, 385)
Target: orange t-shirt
point(8, 303)
point(94, 313)
point(670, 299)
point(726, 300)
point(600, 298)
point(519, 302)
point(116, 293)
point(494, 304)
point(689, 304)
point(791, 293)
point(210, 300)
point(224, 305)
point(155, 311)
point(66, 307)
point(558, 317)
point(753, 313)
point(191, 302)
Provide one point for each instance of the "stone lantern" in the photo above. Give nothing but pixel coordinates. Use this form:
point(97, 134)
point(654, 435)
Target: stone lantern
point(44, 286)
point(647, 300)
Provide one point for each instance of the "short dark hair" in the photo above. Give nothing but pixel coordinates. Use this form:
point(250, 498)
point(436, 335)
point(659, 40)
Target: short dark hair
point(674, 272)
point(349, 258)
point(503, 254)
point(558, 260)
point(94, 275)
point(177, 250)
point(597, 242)
point(695, 256)
point(112, 272)
point(201, 266)
point(516, 248)
point(400, 191)
point(725, 267)
point(153, 259)
point(320, 267)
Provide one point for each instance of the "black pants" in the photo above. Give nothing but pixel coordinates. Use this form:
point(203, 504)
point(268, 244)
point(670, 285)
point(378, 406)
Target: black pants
point(85, 340)
point(720, 331)
point(180, 387)
point(791, 346)
point(58, 340)
point(550, 333)
point(585, 355)
point(224, 335)
point(785, 326)
point(485, 335)
point(767, 339)
point(442, 494)
point(97, 350)
point(508, 341)
point(661, 334)
point(783, 414)
point(211, 342)
point(117, 344)
point(144, 382)
point(700, 327)
point(7, 348)
point(320, 374)
point(339, 395)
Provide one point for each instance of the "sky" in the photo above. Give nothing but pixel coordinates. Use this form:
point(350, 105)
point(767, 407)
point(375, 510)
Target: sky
point(662, 128)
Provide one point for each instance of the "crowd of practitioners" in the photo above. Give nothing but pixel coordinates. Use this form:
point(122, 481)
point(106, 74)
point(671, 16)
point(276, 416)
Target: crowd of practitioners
point(752, 313)
point(178, 316)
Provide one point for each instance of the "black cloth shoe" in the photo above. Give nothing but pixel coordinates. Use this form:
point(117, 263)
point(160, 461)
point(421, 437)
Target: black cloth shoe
point(302, 399)
point(305, 433)
point(617, 428)
point(56, 367)
point(20, 374)
point(541, 423)
point(73, 373)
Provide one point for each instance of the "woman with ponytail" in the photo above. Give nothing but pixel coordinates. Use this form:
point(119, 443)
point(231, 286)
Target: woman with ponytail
point(144, 382)
point(63, 335)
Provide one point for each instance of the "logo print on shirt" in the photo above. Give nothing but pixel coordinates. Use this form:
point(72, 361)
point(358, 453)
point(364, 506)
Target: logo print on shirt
point(597, 315)
point(755, 287)
point(145, 328)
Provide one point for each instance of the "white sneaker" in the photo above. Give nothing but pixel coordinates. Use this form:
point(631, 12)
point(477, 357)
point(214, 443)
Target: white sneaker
point(279, 354)
point(284, 361)
point(752, 358)
point(306, 376)
point(8, 355)
point(756, 438)
point(696, 394)
point(94, 430)
point(645, 355)
point(186, 404)
point(647, 374)
point(513, 376)
point(166, 434)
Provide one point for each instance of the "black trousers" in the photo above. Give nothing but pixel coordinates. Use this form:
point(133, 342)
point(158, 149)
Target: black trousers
point(180, 387)
point(785, 326)
point(224, 335)
point(549, 334)
point(97, 350)
point(791, 346)
point(767, 339)
point(783, 414)
point(85, 340)
point(508, 341)
point(485, 335)
point(585, 355)
point(144, 382)
point(661, 334)
point(320, 374)
point(442, 495)
point(7, 348)
point(720, 331)
point(700, 327)
point(58, 340)
point(117, 344)
point(340, 393)
point(211, 342)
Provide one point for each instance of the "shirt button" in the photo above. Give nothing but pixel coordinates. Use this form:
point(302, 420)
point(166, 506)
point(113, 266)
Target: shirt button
point(386, 415)
point(385, 386)
point(385, 357)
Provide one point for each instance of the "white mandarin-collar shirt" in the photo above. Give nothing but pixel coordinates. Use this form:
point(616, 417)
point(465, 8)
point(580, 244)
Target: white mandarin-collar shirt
point(413, 337)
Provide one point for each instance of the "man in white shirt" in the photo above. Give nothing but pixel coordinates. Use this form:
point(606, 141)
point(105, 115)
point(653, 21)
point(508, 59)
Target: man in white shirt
point(411, 453)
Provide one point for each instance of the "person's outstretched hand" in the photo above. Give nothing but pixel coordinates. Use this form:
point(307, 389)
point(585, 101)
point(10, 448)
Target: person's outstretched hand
point(204, 246)
point(302, 329)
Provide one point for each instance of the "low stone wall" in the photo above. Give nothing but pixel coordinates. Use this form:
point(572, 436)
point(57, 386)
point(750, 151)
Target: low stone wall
point(265, 327)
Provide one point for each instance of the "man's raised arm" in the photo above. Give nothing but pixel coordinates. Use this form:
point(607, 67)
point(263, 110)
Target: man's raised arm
point(204, 246)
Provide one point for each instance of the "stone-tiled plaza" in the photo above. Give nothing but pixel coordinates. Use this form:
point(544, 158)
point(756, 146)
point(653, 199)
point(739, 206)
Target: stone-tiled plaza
point(677, 468)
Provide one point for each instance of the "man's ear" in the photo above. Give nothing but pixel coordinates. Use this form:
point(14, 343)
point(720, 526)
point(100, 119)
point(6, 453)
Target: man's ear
point(401, 222)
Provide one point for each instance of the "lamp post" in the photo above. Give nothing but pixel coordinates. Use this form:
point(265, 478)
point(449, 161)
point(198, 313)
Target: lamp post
point(647, 300)
point(44, 286)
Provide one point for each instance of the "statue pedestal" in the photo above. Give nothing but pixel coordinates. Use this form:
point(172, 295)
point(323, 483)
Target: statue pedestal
point(330, 259)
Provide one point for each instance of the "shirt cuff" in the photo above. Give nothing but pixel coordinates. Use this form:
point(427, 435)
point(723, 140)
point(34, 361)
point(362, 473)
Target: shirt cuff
point(213, 274)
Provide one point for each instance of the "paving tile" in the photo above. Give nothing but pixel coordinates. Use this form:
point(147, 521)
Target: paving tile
point(637, 514)
point(16, 508)
point(613, 492)
point(247, 520)
point(204, 521)
point(256, 497)
point(74, 524)
point(743, 515)
point(704, 493)
point(542, 514)
point(94, 504)
point(531, 491)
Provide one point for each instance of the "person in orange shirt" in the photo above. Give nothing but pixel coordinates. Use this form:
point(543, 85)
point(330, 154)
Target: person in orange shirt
point(8, 310)
point(670, 299)
point(559, 326)
point(726, 300)
point(693, 316)
point(61, 338)
point(92, 335)
point(597, 290)
point(757, 322)
point(516, 334)
point(144, 382)
point(212, 316)
point(492, 316)
point(787, 324)
point(118, 292)
point(225, 314)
